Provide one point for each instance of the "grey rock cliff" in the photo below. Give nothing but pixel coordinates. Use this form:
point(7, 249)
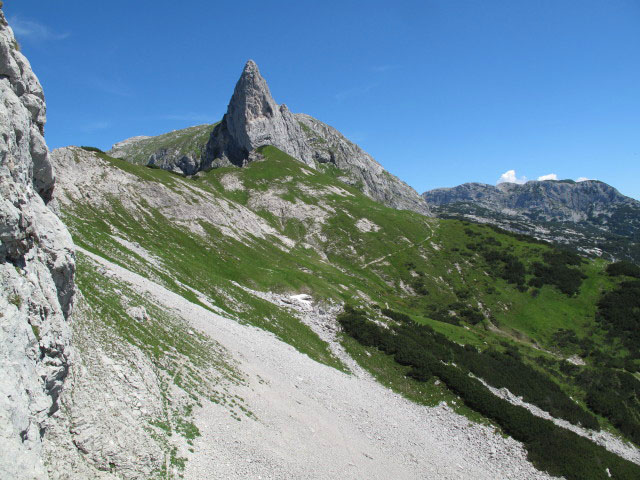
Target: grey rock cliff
point(330, 146)
point(253, 119)
point(590, 215)
point(36, 271)
point(557, 200)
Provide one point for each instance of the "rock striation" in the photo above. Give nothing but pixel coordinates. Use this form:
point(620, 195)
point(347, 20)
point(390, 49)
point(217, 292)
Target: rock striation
point(36, 271)
point(590, 215)
point(331, 147)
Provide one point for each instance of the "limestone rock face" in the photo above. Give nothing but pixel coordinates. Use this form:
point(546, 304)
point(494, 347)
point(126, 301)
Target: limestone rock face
point(253, 119)
point(179, 151)
point(36, 271)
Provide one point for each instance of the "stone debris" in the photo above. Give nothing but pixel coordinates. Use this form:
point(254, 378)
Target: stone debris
point(366, 225)
point(609, 441)
point(138, 313)
point(315, 422)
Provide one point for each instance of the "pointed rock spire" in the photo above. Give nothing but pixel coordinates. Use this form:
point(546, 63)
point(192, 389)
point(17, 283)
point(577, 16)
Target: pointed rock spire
point(254, 119)
point(251, 97)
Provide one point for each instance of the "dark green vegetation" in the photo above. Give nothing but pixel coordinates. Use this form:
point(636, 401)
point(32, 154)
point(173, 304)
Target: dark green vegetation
point(614, 394)
point(611, 391)
point(557, 268)
point(413, 345)
point(91, 149)
point(428, 354)
point(519, 307)
point(619, 313)
point(623, 268)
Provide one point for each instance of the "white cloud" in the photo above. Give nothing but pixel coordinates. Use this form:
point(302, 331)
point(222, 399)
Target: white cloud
point(31, 30)
point(551, 176)
point(510, 177)
point(582, 179)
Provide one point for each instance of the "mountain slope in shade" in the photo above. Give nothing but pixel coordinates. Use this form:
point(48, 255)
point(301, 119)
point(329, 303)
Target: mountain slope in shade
point(590, 216)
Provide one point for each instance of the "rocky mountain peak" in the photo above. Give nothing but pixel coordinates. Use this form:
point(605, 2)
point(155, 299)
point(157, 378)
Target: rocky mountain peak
point(251, 98)
point(590, 215)
point(254, 119)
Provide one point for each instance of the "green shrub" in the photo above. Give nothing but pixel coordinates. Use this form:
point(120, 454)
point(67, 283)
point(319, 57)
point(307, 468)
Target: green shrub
point(15, 299)
point(619, 313)
point(551, 448)
point(91, 149)
point(623, 268)
point(397, 316)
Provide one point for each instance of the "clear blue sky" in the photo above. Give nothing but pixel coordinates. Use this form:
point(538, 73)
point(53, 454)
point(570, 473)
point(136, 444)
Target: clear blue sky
point(439, 92)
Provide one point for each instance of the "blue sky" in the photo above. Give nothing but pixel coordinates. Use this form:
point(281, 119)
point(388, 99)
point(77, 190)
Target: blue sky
point(439, 92)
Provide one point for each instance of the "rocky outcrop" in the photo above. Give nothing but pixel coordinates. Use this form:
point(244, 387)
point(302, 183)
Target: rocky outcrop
point(179, 151)
point(253, 119)
point(553, 200)
point(36, 271)
point(589, 215)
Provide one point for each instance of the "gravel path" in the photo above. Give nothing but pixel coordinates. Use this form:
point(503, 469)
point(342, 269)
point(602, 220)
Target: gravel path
point(314, 422)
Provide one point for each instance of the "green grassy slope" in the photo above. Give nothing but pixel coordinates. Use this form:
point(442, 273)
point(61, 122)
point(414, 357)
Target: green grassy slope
point(473, 284)
point(188, 141)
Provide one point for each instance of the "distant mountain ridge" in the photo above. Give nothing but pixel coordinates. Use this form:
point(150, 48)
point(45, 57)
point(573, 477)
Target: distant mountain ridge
point(254, 120)
point(591, 216)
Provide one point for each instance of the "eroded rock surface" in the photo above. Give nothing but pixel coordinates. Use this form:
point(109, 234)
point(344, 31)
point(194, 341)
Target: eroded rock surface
point(253, 119)
point(36, 271)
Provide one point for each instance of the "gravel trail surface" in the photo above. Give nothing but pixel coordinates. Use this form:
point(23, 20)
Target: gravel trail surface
point(311, 421)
